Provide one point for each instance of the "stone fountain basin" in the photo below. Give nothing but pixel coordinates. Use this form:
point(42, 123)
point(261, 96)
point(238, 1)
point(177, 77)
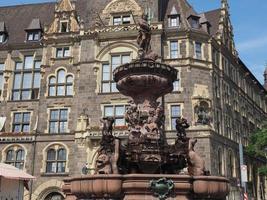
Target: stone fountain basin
point(145, 76)
point(136, 186)
point(94, 186)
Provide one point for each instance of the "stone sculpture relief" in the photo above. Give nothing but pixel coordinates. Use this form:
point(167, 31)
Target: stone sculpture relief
point(202, 112)
point(119, 6)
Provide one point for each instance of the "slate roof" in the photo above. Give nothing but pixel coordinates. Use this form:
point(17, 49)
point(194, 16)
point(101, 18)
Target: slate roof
point(185, 10)
point(213, 17)
point(2, 27)
point(19, 18)
point(34, 25)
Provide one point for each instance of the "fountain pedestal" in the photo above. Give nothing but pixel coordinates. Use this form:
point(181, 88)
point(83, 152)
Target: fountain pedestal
point(147, 167)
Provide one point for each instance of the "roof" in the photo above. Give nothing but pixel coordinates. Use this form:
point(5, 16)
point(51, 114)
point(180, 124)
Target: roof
point(11, 172)
point(213, 17)
point(2, 27)
point(34, 25)
point(23, 17)
point(18, 18)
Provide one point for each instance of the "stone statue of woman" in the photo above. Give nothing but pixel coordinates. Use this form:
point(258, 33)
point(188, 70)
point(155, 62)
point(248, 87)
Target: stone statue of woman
point(144, 36)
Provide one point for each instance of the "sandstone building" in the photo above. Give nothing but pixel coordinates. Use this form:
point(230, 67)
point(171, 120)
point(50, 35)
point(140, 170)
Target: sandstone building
point(56, 62)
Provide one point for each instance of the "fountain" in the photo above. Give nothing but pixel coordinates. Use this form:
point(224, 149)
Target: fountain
point(147, 167)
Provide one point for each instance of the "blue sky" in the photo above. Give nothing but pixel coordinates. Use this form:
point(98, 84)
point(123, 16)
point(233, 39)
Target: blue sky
point(249, 22)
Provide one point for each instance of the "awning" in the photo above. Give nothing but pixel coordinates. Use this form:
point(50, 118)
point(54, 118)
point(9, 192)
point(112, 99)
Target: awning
point(11, 172)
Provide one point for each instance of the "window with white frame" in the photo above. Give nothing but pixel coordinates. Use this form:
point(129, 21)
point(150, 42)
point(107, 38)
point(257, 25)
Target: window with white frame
point(15, 156)
point(33, 35)
point(61, 84)
point(198, 50)
point(62, 52)
point(21, 122)
point(174, 49)
point(2, 68)
point(116, 111)
point(175, 113)
point(108, 85)
point(58, 121)
point(176, 86)
point(56, 160)
point(27, 79)
point(120, 20)
point(174, 21)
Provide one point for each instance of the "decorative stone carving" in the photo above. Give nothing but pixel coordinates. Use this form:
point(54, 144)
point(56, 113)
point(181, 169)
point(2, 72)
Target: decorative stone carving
point(202, 113)
point(161, 188)
point(83, 122)
point(122, 6)
point(65, 10)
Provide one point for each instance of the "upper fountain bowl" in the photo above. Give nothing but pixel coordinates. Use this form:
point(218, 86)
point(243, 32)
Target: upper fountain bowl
point(145, 77)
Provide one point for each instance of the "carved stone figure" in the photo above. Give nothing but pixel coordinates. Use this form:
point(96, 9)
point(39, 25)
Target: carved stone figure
point(181, 125)
point(103, 164)
point(196, 165)
point(144, 36)
point(107, 137)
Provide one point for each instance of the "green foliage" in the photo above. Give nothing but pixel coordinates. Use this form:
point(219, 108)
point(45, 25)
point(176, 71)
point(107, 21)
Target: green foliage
point(258, 146)
point(258, 143)
point(263, 171)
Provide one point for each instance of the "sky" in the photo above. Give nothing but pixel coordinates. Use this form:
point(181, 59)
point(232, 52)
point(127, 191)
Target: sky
point(248, 19)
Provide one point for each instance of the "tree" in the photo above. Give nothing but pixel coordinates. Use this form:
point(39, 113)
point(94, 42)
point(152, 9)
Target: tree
point(258, 146)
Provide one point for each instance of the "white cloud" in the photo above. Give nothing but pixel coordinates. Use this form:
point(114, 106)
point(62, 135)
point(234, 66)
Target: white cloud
point(252, 44)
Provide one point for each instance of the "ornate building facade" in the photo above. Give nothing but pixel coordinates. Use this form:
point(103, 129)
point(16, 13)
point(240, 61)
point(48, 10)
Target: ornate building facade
point(56, 62)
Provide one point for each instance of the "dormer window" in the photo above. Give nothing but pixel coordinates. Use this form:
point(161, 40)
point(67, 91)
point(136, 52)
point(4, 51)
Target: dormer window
point(123, 19)
point(64, 27)
point(194, 21)
point(34, 30)
point(3, 32)
point(33, 35)
point(174, 21)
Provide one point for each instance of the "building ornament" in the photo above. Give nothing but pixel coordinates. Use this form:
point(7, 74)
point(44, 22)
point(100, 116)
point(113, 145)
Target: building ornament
point(122, 6)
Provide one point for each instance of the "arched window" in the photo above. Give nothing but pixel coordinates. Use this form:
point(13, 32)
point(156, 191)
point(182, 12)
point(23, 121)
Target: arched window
point(220, 162)
point(54, 196)
point(61, 84)
point(231, 164)
point(15, 157)
point(56, 160)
